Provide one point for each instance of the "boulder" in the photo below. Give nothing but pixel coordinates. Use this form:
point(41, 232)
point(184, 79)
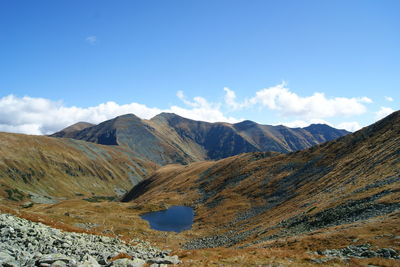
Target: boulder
point(88, 261)
point(7, 260)
point(128, 263)
point(58, 264)
point(51, 258)
point(165, 260)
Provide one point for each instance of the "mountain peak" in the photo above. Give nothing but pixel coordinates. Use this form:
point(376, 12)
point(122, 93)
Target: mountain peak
point(167, 115)
point(127, 116)
point(125, 120)
point(79, 126)
point(245, 124)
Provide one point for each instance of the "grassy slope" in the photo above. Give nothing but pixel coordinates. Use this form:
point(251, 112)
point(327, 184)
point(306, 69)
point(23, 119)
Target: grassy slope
point(270, 197)
point(274, 191)
point(64, 167)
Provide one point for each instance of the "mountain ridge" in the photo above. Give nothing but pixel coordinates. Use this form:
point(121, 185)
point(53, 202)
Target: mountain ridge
point(169, 138)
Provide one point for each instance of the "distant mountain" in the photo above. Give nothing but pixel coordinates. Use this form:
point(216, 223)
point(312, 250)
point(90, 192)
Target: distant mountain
point(169, 138)
point(334, 191)
point(138, 135)
point(40, 167)
point(71, 130)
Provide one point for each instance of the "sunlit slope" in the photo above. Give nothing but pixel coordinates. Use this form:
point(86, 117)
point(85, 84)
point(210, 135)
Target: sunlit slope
point(257, 198)
point(65, 167)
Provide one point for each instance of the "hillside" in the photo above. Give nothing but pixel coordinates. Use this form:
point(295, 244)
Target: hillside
point(169, 138)
point(342, 192)
point(46, 169)
point(337, 203)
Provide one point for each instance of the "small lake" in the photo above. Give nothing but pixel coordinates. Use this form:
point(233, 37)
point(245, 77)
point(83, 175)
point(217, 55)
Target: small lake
point(176, 219)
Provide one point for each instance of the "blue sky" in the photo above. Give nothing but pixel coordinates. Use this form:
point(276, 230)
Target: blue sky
point(291, 62)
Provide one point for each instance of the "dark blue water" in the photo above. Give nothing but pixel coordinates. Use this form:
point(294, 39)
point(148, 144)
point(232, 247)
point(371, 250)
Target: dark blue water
point(176, 218)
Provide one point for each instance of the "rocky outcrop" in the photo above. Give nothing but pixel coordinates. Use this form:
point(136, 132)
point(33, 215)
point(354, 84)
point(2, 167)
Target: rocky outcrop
point(26, 243)
point(361, 251)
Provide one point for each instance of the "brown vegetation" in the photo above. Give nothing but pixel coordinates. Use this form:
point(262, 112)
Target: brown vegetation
point(344, 192)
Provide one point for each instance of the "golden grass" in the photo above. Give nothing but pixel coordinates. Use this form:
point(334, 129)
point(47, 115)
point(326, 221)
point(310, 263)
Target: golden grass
point(353, 163)
point(124, 222)
point(65, 167)
point(120, 256)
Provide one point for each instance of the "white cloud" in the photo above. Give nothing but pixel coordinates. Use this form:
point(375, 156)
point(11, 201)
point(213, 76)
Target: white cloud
point(287, 103)
point(180, 95)
point(201, 109)
point(24, 128)
point(91, 39)
point(383, 112)
point(230, 99)
point(388, 98)
point(42, 116)
point(213, 114)
point(349, 126)
point(303, 123)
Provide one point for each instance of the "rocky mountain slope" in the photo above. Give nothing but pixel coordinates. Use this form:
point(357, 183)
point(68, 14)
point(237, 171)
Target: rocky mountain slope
point(349, 185)
point(169, 138)
point(25, 243)
point(42, 169)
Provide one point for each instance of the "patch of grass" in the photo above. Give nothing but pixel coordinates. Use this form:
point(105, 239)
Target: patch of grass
point(121, 256)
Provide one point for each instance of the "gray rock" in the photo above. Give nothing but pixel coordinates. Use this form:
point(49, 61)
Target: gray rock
point(51, 258)
point(7, 260)
point(26, 205)
point(387, 252)
point(165, 260)
point(128, 263)
point(58, 264)
point(25, 243)
point(360, 251)
point(88, 261)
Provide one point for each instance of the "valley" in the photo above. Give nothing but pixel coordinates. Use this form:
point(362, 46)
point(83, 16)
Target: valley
point(334, 203)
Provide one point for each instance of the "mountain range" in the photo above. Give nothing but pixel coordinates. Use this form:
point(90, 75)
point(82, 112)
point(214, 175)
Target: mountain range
point(270, 194)
point(168, 138)
point(110, 158)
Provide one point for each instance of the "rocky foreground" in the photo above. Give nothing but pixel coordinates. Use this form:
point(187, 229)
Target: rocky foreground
point(26, 243)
